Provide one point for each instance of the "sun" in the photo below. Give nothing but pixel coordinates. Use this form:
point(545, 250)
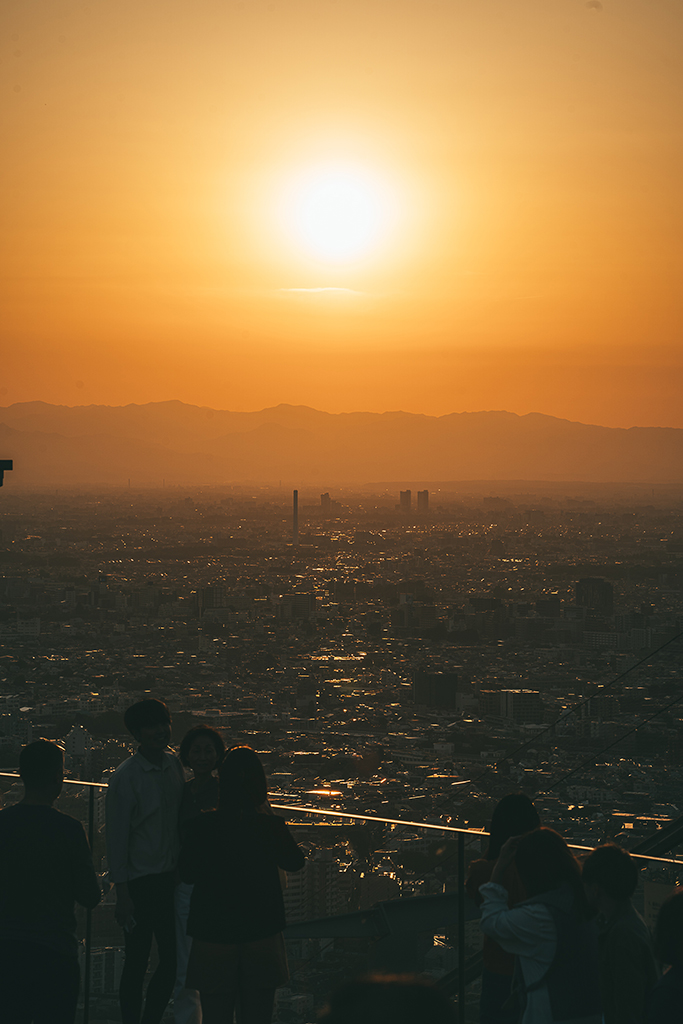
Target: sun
point(338, 213)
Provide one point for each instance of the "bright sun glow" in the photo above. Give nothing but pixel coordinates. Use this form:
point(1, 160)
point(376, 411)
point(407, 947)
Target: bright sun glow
point(339, 213)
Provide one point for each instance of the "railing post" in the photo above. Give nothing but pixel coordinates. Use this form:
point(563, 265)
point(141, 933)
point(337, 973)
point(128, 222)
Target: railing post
point(461, 928)
point(88, 913)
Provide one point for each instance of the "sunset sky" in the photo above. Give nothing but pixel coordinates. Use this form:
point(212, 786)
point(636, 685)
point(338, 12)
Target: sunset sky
point(507, 231)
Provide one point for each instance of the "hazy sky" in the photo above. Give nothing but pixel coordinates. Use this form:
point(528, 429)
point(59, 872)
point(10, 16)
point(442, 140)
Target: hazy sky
point(514, 167)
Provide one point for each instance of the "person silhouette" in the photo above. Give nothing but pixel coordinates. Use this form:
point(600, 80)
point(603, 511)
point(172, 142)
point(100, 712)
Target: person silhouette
point(237, 912)
point(142, 804)
point(45, 867)
point(666, 999)
point(549, 932)
point(628, 968)
point(513, 815)
point(201, 750)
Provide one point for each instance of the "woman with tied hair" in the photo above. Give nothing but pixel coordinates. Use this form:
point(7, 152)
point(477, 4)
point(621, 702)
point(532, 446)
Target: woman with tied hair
point(555, 945)
point(237, 913)
point(666, 1000)
point(512, 816)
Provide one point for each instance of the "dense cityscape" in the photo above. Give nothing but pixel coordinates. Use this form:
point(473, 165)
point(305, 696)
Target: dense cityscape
point(410, 656)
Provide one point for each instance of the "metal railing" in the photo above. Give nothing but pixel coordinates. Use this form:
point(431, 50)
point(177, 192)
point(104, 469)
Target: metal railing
point(351, 817)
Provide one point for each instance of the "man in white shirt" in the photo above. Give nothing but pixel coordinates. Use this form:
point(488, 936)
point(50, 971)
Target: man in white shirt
point(142, 806)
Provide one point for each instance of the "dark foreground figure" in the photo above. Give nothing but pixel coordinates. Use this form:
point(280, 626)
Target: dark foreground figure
point(389, 999)
point(237, 914)
point(666, 1000)
point(45, 866)
point(628, 968)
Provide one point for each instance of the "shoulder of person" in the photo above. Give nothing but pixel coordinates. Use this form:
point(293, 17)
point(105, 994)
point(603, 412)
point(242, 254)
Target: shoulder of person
point(171, 757)
point(274, 822)
point(125, 769)
point(67, 820)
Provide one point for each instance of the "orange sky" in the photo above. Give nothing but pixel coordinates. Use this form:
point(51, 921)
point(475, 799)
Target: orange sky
point(533, 150)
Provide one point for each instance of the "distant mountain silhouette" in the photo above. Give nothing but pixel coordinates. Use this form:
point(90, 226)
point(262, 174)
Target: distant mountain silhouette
point(57, 445)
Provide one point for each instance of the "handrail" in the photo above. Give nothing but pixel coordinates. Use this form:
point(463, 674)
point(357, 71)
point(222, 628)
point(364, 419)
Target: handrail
point(67, 782)
point(329, 813)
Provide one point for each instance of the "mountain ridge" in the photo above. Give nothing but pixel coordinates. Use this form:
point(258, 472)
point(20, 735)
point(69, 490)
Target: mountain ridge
point(179, 442)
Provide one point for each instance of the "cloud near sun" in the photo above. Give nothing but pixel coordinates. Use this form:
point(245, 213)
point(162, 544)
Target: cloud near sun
point(318, 291)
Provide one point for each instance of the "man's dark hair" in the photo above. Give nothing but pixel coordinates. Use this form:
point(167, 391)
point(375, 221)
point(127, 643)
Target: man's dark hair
point(669, 929)
point(613, 869)
point(388, 999)
point(145, 712)
point(41, 765)
point(195, 733)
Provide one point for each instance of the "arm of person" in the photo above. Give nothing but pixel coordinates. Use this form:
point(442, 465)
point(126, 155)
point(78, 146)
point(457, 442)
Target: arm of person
point(287, 852)
point(119, 803)
point(480, 872)
point(189, 865)
point(526, 930)
point(86, 886)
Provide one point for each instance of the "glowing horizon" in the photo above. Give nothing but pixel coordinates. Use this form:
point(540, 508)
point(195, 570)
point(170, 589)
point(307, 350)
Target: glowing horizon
point(364, 204)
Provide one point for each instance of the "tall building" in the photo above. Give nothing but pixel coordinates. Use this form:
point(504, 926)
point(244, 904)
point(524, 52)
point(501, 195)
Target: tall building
point(596, 594)
point(423, 501)
point(436, 689)
point(405, 500)
point(325, 504)
point(523, 707)
point(295, 517)
point(320, 889)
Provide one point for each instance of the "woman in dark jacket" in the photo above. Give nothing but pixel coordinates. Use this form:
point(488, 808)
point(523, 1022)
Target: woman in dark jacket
point(237, 913)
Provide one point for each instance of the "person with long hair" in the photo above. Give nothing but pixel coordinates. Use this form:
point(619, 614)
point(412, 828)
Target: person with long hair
point(549, 932)
point(512, 816)
point(233, 856)
point(201, 750)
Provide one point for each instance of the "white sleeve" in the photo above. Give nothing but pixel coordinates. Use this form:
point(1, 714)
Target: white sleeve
point(525, 930)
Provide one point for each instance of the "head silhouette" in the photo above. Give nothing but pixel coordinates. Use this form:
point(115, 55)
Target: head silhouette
point(545, 862)
point(613, 870)
point(144, 714)
point(200, 732)
point(41, 766)
point(241, 780)
point(514, 815)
